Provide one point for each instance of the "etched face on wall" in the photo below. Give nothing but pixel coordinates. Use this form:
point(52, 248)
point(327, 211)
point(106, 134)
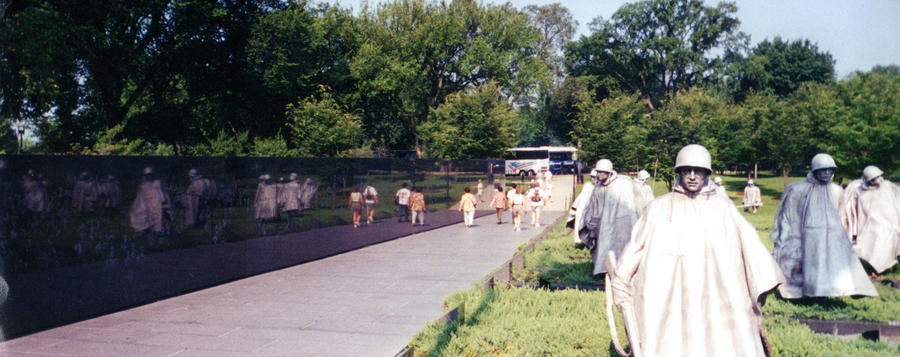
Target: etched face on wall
point(693, 178)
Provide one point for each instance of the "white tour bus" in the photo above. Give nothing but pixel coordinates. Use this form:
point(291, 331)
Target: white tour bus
point(529, 161)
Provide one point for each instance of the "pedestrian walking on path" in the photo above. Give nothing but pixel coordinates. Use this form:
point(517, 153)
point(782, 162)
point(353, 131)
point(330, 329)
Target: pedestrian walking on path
point(509, 200)
point(356, 205)
point(417, 205)
point(499, 202)
point(467, 205)
point(536, 199)
point(402, 199)
point(517, 203)
point(371, 197)
point(479, 190)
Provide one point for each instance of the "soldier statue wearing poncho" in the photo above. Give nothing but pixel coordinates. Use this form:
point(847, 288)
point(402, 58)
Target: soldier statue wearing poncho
point(645, 189)
point(691, 279)
point(811, 246)
point(752, 197)
point(610, 213)
point(870, 213)
point(720, 189)
point(575, 221)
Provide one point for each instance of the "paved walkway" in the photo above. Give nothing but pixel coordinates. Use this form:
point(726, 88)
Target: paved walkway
point(368, 302)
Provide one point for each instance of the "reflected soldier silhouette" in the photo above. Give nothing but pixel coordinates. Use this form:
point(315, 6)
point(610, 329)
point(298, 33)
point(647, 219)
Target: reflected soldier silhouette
point(35, 192)
point(109, 193)
point(85, 193)
point(149, 205)
point(289, 199)
point(265, 203)
point(200, 193)
point(309, 190)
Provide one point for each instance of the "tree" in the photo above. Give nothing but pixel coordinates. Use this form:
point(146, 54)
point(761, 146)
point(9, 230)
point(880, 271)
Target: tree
point(320, 127)
point(614, 128)
point(654, 48)
point(786, 135)
point(560, 106)
point(470, 124)
point(779, 67)
point(295, 50)
point(414, 54)
point(748, 147)
point(691, 119)
point(557, 26)
point(868, 128)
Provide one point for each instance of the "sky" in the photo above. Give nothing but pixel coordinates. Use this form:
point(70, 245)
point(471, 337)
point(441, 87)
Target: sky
point(859, 34)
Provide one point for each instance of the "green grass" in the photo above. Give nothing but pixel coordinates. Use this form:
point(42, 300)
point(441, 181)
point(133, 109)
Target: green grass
point(526, 322)
point(556, 259)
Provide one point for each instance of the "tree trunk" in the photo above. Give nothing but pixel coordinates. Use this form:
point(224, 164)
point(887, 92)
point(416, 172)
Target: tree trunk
point(784, 174)
point(755, 171)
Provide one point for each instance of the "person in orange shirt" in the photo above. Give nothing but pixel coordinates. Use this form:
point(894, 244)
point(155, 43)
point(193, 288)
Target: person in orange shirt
point(499, 202)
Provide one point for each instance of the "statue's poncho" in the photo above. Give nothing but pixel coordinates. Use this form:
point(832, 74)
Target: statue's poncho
point(266, 201)
point(196, 201)
point(720, 190)
point(872, 215)
point(811, 246)
point(148, 206)
point(646, 192)
point(609, 215)
point(752, 196)
point(308, 191)
point(289, 195)
point(575, 222)
point(692, 274)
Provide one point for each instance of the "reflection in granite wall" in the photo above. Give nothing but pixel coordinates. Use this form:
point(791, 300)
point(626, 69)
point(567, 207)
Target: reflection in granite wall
point(63, 210)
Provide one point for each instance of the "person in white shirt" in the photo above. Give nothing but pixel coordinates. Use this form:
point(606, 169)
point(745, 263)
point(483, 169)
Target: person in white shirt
point(536, 200)
point(509, 199)
point(371, 197)
point(403, 203)
point(517, 205)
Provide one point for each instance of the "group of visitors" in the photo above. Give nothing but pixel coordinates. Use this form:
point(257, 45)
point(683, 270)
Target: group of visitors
point(410, 204)
point(688, 271)
point(516, 200)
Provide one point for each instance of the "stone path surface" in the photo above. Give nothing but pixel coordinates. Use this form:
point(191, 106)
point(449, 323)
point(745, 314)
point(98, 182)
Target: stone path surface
point(368, 302)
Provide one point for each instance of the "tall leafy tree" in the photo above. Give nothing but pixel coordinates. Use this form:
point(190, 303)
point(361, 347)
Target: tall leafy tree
point(614, 128)
point(295, 50)
point(655, 48)
point(779, 67)
point(476, 123)
point(414, 54)
point(868, 130)
point(557, 26)
point(320, 126)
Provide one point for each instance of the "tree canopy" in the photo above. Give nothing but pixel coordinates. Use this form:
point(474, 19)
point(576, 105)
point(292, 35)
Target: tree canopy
point(449, 79)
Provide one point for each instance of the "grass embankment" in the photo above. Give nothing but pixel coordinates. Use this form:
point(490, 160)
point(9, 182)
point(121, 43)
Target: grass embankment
point(522, 321)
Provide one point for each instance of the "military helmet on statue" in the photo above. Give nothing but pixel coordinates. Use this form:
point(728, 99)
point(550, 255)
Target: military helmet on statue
point(871, 172)
point(693, 155)
point(643, 175)
point(822, 161)
point(604, 165)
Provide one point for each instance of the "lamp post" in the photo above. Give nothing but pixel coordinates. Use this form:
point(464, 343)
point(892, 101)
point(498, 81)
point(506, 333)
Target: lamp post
point(20, 131)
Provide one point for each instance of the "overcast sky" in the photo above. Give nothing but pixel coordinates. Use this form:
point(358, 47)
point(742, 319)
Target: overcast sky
point(859, 34)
